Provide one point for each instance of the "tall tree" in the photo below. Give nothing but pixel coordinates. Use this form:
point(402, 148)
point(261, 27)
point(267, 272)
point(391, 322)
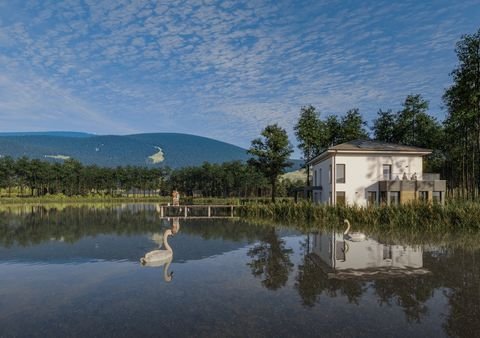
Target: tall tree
point(352, 126)
point(414, 107)
point(385, 126)
point(271, 153)
point(310, 135)
point(463, 120)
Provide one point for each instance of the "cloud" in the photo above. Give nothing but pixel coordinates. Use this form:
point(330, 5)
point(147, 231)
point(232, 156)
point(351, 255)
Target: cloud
point(203, 67)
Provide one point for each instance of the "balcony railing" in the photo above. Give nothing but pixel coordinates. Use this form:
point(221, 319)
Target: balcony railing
point(424, 182)
point(410, 177)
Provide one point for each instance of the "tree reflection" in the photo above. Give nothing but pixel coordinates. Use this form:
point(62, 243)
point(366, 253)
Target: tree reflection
point(312, 281)
point(463, 280)
point(410, 293)
point(271, 260)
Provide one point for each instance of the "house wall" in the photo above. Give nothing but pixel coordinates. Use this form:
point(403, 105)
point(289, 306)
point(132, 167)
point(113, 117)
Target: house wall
point(362, 173)
point(323, 178)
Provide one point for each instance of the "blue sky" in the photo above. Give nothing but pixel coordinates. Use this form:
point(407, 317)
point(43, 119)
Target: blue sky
point(221, 69)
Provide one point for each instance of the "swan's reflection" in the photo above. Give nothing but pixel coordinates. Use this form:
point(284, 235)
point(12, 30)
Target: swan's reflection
point(162, 257)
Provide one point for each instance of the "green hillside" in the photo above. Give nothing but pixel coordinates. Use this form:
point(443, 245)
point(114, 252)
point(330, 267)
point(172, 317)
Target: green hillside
point(156, 149)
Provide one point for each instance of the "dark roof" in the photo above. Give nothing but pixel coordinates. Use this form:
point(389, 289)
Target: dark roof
point(375, 146)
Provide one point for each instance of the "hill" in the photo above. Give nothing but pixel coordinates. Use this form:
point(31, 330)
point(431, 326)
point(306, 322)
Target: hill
point(155, 149)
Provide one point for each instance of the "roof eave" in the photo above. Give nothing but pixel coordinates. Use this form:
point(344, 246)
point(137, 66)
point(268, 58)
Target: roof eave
point(326, 153)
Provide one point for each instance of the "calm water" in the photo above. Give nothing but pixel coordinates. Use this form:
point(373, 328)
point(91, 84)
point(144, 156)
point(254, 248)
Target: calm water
point(77, 272)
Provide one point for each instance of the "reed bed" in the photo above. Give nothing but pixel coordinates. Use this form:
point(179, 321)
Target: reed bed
point(412, 217)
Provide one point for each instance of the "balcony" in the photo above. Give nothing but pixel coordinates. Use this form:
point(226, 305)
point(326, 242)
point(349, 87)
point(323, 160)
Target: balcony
point(424, 182)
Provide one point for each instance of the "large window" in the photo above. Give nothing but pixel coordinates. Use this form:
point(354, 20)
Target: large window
point(423, 196)
point(383, 197)
point(340, 174)
point(341, 198)
point(387, 172)
point(437, 197)
point(394, 197)
point(372, 197)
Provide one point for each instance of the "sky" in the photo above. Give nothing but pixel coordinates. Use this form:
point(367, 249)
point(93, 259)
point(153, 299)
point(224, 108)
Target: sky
point(220, 69)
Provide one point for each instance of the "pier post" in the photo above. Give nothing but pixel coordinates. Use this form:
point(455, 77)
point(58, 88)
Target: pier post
point(209, 211)
point(186, 209)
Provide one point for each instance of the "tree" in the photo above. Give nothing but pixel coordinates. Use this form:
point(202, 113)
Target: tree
point(414, 108)
point(310, 135)
point(463, 120)
point(384, 126)
point(352, 126)
point(271, 154)
point(349, 127)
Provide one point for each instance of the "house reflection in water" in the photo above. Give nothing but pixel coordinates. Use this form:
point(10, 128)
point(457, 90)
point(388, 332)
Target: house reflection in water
point(340, 258)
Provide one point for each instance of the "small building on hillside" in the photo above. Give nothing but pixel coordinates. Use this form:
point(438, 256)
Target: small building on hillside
point(362, 172)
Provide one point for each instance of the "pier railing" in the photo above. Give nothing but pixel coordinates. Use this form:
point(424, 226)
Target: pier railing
point(197, 211)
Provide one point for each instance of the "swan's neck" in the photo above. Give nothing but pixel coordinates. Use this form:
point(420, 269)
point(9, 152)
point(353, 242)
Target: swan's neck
point(165, 242)
point(166, 276)
point(348, 227)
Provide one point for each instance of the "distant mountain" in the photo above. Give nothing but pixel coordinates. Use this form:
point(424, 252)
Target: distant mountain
point(47, 133)
point(152, 150)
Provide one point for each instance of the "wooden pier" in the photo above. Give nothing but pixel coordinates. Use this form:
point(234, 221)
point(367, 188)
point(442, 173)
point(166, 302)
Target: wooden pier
point(196, 211)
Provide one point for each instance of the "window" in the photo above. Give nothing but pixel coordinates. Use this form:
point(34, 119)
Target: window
point(423, 196)
point(437, 197)
point(340, 250)
point(372, 197)
point(341, 198)
point(387, 252)
point(394, 197)
point(383, 197)
point(314, 177)
point(387, 172)
point(330, 174)
point(340, 174)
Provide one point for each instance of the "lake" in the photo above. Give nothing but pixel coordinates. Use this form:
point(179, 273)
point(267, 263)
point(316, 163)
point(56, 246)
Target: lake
point(76, 271)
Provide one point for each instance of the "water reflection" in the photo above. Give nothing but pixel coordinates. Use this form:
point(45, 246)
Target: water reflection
point(162, 257)
point(336, 267)
point(270, 260)
point(240, 276)
point(368, 258)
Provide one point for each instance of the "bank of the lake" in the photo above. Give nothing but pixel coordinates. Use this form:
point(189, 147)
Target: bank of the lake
point(453, 216)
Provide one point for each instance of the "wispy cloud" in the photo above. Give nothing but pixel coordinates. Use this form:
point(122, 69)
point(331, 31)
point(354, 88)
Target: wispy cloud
point(218, 68)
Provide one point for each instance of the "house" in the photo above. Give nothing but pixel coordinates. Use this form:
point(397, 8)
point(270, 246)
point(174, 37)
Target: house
point(362, 172)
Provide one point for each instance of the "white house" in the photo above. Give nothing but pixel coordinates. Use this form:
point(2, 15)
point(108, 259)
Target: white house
point(362, 172)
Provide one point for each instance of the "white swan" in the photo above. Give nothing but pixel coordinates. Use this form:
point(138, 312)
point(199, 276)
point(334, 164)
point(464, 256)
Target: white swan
point(354, 236)
point(159, 257)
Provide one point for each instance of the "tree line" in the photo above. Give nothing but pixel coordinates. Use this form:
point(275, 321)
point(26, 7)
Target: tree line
point(32, 177)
